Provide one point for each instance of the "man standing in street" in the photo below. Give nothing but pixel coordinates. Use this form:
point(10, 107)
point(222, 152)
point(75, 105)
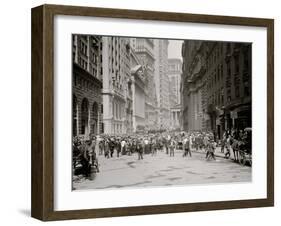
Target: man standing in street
point(112, 147)
point(118, 147)
point(146, 145)
point(123, 147)
point(139, 149)
point(172, 147)
point(186, 147)
point(211, 149)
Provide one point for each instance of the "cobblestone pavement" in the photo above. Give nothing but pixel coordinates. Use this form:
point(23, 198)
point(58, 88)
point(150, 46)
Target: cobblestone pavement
point(163, 170)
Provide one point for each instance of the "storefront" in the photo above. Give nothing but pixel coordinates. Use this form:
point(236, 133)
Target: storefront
point(239, 117)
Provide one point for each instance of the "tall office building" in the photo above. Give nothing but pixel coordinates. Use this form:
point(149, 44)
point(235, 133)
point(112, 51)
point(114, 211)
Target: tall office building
point(138, 75)
point(144, 49)
point(216, 86)
point(117, 93)
point(86, 85)
point(162, 82)
point(174, 74)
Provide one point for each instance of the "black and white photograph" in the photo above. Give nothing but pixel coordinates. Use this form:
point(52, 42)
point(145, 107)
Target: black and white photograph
point(135, 113)
point(152, 112)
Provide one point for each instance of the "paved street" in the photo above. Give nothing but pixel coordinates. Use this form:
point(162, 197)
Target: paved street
point(163, 170)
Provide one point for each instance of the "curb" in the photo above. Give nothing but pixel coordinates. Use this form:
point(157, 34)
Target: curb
point(216, 155)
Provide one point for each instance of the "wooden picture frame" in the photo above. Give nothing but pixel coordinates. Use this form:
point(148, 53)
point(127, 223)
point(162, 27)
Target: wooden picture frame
point(42, 203)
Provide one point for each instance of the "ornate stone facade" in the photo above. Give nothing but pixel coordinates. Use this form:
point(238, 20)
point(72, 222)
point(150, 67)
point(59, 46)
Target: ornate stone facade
point(144, 49)
point(216, 86)
point(117, 94)
point(86, 86)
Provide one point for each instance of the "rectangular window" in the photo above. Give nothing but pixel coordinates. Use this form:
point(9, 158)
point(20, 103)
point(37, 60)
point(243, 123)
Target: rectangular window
point(246, 91)
point(86, 49)
point(75, 79)
point(221, 73)
point(228, 48)
point(236, 64)
point(73, 56)
point(246, 61)
point(228, 69)
point(237, 92)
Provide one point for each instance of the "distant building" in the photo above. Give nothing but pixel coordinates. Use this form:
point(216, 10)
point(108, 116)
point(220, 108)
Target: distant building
point(216, 86)
point(86, 86)
point(162, 82)
point(175, 117)
point(174, 74)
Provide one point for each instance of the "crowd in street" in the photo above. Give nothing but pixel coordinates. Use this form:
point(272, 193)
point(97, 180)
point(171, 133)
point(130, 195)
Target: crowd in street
point(87, 152)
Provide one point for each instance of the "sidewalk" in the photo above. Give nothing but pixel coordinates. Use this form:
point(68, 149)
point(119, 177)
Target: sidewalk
point(218, 153)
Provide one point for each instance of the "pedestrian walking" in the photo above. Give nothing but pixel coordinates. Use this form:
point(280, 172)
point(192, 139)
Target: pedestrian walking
point(223, 142)
point(153, 147)
point(93, 149)
point(186, 147)
point(118, 146)
point(139, 149)
point(85, 158)
point(112, 147)
point(130, 147)
point(228, 146)
point(172, 147)
point(106, 149)
point(123, 147)
point(211, 150)
point(168, 144)
point(205, 142)
point(101, 147)
point(235, 148)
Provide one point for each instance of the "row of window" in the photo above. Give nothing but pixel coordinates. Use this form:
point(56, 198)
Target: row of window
point(83, 63)
point(117, 111)
point(86, 85)
point(83, 47)
point(214, 56)
point(217, 98)
point(238, 63)
point(215, 77)
point(117, 128)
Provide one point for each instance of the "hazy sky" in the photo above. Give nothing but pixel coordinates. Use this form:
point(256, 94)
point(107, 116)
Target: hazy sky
point(174, 49)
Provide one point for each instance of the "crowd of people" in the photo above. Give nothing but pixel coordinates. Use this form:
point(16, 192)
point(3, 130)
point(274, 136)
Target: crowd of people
point(86, 152)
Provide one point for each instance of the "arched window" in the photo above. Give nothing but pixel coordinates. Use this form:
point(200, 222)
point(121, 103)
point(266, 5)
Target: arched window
point(85, 116)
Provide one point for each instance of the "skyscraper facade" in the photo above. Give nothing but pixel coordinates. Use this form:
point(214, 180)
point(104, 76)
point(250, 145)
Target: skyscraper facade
point(144, 49)
point(216, 88)
point(162, 82)
point(86, 85)
point(138, 75)
point(174, 74)
point(117, 100)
